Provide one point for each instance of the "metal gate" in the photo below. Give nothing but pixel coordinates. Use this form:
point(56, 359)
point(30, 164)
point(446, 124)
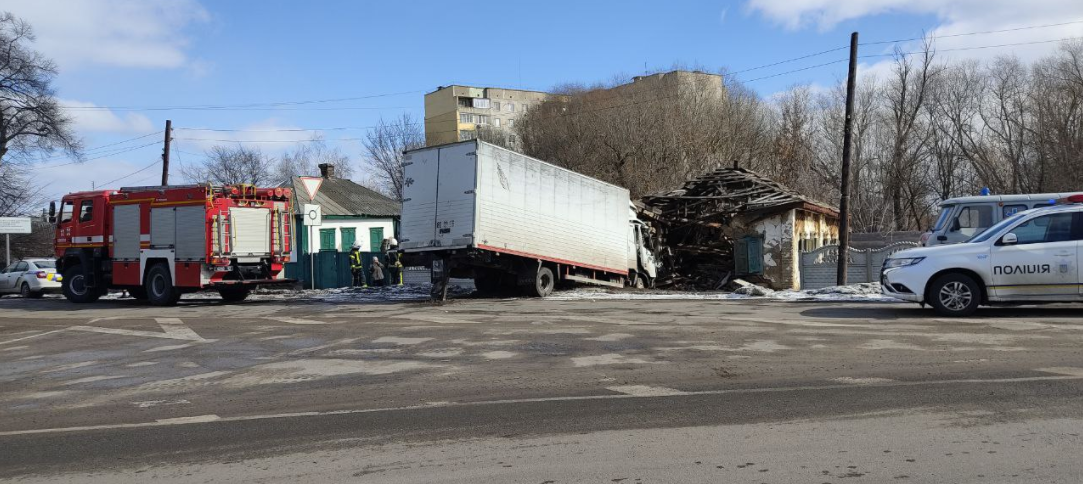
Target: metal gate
point(819, 268)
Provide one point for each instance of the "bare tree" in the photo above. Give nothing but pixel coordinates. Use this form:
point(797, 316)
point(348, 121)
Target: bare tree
point(384, 147)
point(224, 165)
point(306, 158)
point(31, 121)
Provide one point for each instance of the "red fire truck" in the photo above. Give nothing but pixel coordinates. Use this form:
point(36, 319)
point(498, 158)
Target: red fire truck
point(158, 242)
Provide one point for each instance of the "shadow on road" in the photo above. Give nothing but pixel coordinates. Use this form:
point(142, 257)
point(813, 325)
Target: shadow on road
point(915, 311)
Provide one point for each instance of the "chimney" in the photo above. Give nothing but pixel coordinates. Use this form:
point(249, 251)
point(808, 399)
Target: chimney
point(327, 170)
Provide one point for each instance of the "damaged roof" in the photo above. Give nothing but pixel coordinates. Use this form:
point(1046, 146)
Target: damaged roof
point(732, 191)
point(339, 196)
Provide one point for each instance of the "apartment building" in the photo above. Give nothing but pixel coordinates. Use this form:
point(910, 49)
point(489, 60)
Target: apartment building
point(455, 113)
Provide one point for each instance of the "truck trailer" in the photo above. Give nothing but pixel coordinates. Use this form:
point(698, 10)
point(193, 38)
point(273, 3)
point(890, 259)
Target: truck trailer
point(476, 210)
point(158, 242)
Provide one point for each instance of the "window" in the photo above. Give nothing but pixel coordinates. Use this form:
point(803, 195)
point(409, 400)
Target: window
point(466, 118)
point(66, 211)
point(467, 134)
point(22, 267)
point(511, 123)
point(45, 264)
point(10, 268)
point(349, 236)
point(496, 122)
point(509, 107)
point(973, 220)
point(496, 105)
point(943, 217)
point(1010, 210)
point(481, 103)
point(465, 102)
point(1056, 227)
point(86, 211)
point(483, 119)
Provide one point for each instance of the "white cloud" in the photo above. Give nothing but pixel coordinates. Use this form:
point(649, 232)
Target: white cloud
point(126, 33)
point(954, 17)
point(88, 120)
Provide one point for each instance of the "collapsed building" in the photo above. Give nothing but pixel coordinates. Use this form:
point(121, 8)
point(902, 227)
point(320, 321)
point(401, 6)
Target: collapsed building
point(733, 223)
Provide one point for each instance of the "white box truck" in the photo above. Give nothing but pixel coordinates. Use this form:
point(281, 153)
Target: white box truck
point(475, 210)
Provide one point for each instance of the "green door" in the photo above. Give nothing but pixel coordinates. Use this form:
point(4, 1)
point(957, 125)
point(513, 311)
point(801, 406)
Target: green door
point(376, 238)
point(327, 239)
point(348, 237)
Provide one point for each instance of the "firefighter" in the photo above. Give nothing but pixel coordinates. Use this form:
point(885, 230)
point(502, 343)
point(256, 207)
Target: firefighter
point(357, 269)
point(377, 272)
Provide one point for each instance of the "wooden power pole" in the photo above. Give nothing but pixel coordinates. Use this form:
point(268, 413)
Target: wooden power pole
point(165, 151)
point(847, 135)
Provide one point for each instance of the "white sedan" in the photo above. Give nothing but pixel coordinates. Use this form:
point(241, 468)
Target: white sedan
point(31, 278)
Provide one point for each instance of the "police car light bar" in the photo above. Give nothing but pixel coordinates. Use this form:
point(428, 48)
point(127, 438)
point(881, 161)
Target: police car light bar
point(1072, 199)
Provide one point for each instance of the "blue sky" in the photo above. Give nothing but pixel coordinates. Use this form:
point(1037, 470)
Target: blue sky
point(146, 54)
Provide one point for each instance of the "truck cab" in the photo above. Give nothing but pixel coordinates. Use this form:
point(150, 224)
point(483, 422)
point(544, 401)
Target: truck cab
point(964, 217)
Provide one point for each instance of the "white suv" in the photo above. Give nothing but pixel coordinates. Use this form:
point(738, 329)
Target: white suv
point(1031, 256)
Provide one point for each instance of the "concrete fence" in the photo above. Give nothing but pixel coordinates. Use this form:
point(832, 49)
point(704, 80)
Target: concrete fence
point(819, 268)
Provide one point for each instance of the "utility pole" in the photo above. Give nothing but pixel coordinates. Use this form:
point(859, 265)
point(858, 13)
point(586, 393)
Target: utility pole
point(847, 134)
point(165, 151)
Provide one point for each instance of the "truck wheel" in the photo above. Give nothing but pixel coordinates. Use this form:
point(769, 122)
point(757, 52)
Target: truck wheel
point(74, 286)
point(544, 282)
point(234, 293)
point(955, 295)
point(159, 286)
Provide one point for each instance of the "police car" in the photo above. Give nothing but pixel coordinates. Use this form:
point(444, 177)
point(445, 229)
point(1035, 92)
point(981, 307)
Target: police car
point(1032, 256)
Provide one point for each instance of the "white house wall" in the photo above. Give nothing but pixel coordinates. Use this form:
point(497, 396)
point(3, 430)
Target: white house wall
point(361, 229)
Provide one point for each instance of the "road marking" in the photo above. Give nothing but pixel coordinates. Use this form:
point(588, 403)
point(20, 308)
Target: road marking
point(514, 401)
point(168, 348)
point(646, 391)
point(158, 403)
point(1064, 370)
point(92, 379)
point(860, 381)
point(31, 336)
point(298, 321)
point(172, 328)
point(15, 348)
point(398, 340)
point(188, 420)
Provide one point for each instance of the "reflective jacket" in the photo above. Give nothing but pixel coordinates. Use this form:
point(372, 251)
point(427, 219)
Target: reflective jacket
point(355, 260)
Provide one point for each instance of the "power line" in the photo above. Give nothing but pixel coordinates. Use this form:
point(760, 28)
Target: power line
point(242, 106)
point(978, 47)
point(106, 155)
point(99, 148)
point(795, 70)
point(788, 61)
point(983, 32)
point(145, 168)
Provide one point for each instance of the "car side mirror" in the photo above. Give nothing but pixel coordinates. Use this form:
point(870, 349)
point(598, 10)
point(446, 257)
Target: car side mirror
point(1009, 239)
point(942, 238)
point(52, 212)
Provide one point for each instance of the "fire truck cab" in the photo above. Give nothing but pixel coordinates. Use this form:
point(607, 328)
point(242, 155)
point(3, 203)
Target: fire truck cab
point(159, 242)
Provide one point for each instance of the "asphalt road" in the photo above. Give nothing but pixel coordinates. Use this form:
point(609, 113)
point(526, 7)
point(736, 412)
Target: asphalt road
point(536, 391)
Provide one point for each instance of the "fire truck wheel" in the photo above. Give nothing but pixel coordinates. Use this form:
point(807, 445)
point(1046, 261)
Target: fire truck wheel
point(159, 286)
point(234, 294)
point(74, 286)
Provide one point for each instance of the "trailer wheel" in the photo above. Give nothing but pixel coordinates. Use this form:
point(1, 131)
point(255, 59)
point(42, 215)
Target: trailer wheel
point(159, 286)
point(234, 293)
point(74, 286)
point(544, 282)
